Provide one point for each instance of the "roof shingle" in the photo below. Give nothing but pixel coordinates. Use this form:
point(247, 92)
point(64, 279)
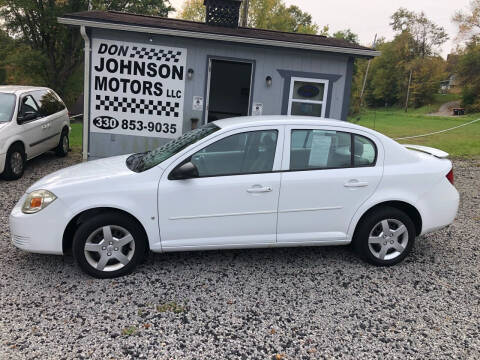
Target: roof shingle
point(116, 17)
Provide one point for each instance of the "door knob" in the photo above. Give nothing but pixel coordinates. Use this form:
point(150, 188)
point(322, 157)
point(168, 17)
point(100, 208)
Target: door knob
point(355, 184)
point(259, 189)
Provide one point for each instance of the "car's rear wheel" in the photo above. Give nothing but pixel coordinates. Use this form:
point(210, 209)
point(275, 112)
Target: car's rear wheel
point(385, 236)
point(63, 145)
point(14, 163)
point(109, 245)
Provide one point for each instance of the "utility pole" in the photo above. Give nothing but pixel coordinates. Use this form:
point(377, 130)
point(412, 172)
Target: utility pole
point(366, 74)
point(245, 13)
point(408, 90)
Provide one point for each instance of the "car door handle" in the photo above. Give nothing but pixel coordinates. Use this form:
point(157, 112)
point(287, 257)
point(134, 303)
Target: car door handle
point(259, 189)
point(355, 184)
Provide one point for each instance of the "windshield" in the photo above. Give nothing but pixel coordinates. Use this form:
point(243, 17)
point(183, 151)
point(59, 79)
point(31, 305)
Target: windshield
point(7, 104)
point(144, 161)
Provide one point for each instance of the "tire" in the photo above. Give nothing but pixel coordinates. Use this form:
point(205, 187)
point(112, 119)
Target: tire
point(14, 163)
point(103, 259)
point(63, 145)
point(382, 246)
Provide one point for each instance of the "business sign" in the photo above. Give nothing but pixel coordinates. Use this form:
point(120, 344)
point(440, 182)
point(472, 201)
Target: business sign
point(137, 89)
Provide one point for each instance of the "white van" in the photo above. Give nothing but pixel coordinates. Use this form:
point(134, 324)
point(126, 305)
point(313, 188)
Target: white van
point(33, 120)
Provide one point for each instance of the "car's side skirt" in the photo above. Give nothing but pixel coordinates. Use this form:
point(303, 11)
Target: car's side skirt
point(253, 246)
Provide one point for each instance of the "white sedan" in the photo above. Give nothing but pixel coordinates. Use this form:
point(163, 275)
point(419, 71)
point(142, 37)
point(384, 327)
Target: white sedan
point(242, 183)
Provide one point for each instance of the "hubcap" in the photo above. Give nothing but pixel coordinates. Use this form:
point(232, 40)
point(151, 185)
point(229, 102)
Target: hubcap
point(65, 144)
point(109, 248)
point(388, 239)
point(16, 163)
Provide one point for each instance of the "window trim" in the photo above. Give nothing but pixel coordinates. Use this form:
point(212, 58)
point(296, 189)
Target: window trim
point(323, 102)
point(278, 152)
point(352, 151)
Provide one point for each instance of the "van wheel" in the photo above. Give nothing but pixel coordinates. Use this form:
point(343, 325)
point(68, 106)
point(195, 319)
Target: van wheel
point(109, 245)
point(385, 237)
point(63, 145)
point(14, 163)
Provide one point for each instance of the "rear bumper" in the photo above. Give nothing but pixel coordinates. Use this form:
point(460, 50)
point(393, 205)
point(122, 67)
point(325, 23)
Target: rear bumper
point(439, 206)
point(41, 232)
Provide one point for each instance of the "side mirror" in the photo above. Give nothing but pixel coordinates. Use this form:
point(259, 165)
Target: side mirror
point(29, 115)
point(185, 171)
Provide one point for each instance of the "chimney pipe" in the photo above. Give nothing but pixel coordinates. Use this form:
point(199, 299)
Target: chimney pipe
point(222, 12)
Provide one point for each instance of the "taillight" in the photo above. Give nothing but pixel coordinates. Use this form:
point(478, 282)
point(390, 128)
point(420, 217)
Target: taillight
point(450, 176)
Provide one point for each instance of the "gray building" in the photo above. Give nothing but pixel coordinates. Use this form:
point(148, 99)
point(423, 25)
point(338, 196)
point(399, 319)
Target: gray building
point(149, 79)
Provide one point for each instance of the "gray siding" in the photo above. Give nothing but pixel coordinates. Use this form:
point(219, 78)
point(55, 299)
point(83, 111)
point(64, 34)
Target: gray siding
point(269, 61)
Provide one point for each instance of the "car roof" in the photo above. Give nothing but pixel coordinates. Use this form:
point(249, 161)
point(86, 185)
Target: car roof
point(272, 120)
point(19, 89)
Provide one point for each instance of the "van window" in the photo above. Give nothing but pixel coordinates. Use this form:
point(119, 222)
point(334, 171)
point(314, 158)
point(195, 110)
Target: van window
point(48, 101)
point(7, 106)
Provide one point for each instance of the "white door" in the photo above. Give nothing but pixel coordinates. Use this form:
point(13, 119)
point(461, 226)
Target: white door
point(33, 127)
point(325, 184)
point(233, 202)
point(54, 112)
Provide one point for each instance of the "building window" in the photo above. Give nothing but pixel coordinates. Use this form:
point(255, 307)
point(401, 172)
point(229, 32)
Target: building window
point(308, 97)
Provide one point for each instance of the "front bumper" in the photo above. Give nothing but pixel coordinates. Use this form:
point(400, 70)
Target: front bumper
point(41, 232)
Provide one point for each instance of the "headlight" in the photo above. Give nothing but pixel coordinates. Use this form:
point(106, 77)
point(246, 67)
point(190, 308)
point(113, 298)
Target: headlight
point(37, 200)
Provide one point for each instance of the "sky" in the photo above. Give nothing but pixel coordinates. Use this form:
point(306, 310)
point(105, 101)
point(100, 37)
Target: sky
point(369, 17)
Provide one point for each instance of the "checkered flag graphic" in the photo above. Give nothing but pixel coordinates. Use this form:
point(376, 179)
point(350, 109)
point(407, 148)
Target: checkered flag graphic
point(155, 54)
point(137, 106)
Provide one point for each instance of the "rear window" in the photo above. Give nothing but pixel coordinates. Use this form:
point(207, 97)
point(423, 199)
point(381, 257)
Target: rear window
point(7, 106)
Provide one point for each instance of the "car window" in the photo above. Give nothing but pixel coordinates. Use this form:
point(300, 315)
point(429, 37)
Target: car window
point(7, 106)
point(328, 149)
point(320, 149)
point(48, 101)
point(244, 153)
point(365, 151)
point(28, 106)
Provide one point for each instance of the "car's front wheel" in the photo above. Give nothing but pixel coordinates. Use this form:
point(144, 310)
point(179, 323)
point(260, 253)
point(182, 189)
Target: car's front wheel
point(109, 245)
point(385, 236)
point(14, 163)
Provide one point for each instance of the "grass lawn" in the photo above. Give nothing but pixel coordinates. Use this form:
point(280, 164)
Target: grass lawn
point(76, 137)
point(462, 142)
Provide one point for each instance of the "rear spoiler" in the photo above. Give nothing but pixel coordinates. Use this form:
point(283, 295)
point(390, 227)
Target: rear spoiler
point(428, 150)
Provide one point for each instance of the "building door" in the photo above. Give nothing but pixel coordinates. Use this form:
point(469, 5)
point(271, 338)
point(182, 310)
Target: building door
point(228, 89)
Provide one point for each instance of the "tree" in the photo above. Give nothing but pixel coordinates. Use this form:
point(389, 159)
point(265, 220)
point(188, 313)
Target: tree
point(263, 14)
point(426, 36)
point(51, 52)
point(388, 80)
point(468, 58)
point(469, 75)
point(193, 10)
point(347, 35)
point(468, 23)
point(146, 7)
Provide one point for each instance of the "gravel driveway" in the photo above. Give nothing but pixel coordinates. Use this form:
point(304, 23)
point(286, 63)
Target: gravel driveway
point(299, 303)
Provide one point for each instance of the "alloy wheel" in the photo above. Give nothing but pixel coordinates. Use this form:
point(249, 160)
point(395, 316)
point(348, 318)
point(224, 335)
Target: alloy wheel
point(16, 163)
point(109, 248)
point(388, 239)
point(65, 144)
